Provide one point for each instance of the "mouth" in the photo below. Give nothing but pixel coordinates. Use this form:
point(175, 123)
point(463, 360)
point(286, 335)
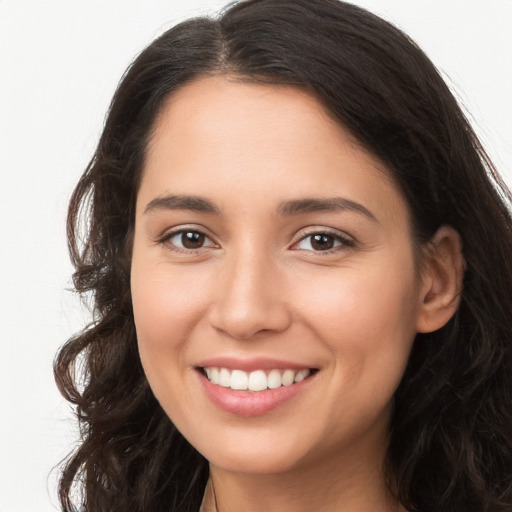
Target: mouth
point(256, 380)
point(256, 386)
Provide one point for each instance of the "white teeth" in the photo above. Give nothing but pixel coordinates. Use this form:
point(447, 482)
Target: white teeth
point(274, 379)
point(214, 377)
point(288, 377)
point(225, 378)
point(258, 380)
point(301, 375)
point(239, 379)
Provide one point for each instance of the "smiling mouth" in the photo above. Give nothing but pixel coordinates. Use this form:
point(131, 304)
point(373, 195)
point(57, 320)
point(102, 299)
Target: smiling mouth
point(258, 380)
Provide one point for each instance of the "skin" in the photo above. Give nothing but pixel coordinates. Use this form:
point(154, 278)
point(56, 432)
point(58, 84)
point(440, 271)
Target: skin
point(257, 287)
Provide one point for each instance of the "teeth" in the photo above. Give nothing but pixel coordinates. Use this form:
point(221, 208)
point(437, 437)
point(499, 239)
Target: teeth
point(274, 379)
point(225, 377)
point(288, 377)
point(214, 375)
point(239, 379)
point(301, 375)
point(258, 380)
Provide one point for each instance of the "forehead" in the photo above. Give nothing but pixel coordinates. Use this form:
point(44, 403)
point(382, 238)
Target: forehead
point(218, 105)
point(274, 140)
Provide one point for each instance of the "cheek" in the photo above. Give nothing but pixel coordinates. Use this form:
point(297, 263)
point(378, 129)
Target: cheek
point(166, 307)
point(367, 319)
point(369, 330)
point(363, 301)
point(165, 303)
point(164, 318)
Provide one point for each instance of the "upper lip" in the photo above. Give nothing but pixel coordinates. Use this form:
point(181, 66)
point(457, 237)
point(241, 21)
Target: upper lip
point(249, 365)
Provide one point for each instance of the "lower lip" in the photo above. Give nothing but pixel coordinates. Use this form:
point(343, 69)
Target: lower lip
point(246, 403)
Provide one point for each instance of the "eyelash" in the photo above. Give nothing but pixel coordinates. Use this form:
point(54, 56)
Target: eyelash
point(166, 240)
point(343, 242)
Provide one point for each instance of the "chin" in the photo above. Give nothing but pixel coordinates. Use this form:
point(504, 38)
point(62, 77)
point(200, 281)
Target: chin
point(254, 464)
point(257, 456)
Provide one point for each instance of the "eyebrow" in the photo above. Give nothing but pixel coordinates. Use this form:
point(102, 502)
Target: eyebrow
point(332, 204)
point(181, 202)
point(287, 208)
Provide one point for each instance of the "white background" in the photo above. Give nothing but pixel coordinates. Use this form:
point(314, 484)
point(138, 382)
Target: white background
point(60, 62)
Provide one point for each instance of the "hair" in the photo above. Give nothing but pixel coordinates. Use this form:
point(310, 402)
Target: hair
point(450, 447)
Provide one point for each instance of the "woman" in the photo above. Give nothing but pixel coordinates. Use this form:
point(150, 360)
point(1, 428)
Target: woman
point(300, 261)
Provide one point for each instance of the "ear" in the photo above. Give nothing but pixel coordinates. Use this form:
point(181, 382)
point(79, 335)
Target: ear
point(441, 280)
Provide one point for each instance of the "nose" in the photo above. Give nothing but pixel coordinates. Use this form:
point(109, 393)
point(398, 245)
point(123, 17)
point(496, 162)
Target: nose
point(250, 299)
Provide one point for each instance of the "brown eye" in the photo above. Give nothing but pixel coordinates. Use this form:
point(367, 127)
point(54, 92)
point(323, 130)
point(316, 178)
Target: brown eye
point(192, 239)
point(187, 240)
point(322, 242)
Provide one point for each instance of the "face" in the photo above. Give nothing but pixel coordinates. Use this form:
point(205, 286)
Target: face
point(274, 286)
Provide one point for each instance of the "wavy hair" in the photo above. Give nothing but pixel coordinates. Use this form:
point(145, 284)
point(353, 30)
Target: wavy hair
point(450, 444)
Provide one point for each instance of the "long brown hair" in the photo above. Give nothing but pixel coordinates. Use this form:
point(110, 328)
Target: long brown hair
point(451, 434)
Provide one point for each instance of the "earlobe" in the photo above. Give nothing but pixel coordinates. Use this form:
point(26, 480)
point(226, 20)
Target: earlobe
point(442, 277)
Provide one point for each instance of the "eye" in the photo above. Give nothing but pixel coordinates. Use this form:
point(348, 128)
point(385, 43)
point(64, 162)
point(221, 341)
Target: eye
point(187, 240)
point(323, 242)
